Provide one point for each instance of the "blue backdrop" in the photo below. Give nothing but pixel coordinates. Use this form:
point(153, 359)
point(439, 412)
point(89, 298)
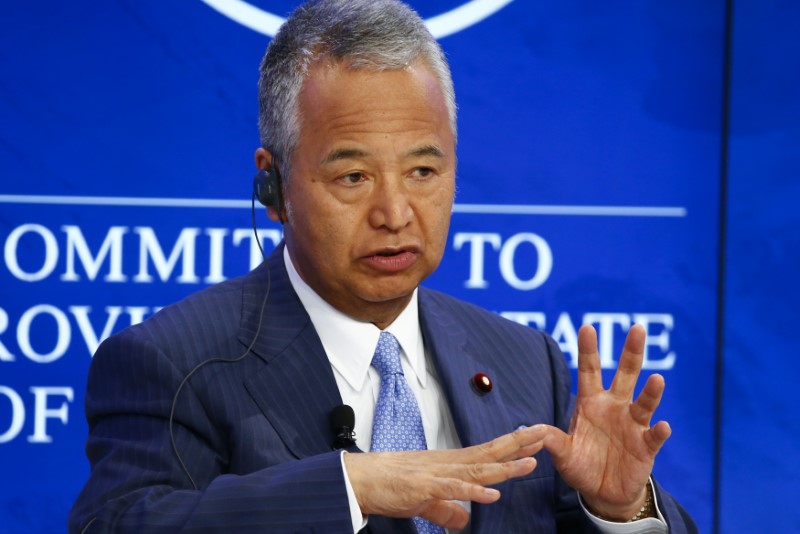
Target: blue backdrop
point(618, 163)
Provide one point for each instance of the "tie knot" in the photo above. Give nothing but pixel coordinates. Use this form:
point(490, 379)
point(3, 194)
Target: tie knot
point(387, 356)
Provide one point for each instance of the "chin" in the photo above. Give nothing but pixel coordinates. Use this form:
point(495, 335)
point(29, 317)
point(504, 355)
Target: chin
point(387, 296)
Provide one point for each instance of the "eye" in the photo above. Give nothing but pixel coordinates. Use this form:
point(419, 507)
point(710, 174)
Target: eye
point(423, 172)
point(352, 178)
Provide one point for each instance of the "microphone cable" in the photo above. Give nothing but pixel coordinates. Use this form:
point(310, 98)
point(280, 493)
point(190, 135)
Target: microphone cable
point(220, 360)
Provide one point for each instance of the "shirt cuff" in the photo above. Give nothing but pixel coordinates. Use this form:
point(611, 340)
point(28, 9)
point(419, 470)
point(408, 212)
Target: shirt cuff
point(654, 525)
point(359, 520)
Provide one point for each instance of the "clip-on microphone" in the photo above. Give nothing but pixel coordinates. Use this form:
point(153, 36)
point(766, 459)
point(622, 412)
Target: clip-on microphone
point(343, 421)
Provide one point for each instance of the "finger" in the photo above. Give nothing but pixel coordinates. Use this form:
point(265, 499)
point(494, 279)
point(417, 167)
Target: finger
point(448, 514)
point(455, 489)
point(630, 363)
point(590, 380)
point(656, 436)
point(528, 450)
point(559, 444)
point(488, 474)
point(648, 400)
point(522, 442)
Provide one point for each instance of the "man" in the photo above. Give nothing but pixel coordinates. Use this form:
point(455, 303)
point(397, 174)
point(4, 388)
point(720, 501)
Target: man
point(214, 414)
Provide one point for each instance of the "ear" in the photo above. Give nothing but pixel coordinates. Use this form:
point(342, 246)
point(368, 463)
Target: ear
point(264, 162)
point(274, 216)
point(263, 159)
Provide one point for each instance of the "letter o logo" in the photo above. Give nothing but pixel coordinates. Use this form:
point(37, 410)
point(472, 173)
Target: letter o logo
point(447, 23)
point(544, 266)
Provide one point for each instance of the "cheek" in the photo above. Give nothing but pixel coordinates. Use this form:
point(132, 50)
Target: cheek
point(437, 232)
point(442, 233)
point(443, 208)
point(335, 231)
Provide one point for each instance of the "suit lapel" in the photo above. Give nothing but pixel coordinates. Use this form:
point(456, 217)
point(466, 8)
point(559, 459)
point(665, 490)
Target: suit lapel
point(295, 389)
point(478, 417)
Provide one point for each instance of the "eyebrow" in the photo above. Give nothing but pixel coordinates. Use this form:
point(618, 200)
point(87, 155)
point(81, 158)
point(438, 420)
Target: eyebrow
point(355, 153)
point(344, 153)
point(428, 150)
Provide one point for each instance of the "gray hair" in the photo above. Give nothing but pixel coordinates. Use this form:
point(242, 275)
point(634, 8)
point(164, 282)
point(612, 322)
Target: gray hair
point(372, 34)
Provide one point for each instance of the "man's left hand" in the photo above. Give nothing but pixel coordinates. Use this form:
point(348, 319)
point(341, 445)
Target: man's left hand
point(609, 452)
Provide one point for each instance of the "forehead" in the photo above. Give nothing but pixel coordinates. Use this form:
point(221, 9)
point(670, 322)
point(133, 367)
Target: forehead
point(336, 96)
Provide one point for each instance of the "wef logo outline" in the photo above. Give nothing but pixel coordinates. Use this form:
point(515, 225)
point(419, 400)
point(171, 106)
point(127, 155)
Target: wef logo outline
point(447, 23)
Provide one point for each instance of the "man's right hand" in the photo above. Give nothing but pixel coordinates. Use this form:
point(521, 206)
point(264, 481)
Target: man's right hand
point(429, 483)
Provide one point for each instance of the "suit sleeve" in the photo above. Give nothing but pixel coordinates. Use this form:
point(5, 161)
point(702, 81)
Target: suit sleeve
point(138, 485)
point(569, 514)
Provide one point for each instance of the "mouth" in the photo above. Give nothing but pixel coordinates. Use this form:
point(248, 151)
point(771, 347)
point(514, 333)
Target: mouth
point(392, 259)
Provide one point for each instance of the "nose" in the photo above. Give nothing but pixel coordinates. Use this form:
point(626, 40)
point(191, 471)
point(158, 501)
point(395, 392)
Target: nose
point(391, 207)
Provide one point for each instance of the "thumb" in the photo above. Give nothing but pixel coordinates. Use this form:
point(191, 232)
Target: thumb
point(448, 514)
point(558, 443)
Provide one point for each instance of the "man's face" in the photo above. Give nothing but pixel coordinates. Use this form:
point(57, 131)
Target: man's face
point(371, 191)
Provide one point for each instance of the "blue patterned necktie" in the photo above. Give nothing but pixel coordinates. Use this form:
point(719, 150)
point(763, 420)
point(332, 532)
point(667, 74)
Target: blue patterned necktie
point(397, 425)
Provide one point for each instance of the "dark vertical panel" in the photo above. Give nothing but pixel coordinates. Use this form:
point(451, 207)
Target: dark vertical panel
point(761, 434)
point(723, 229)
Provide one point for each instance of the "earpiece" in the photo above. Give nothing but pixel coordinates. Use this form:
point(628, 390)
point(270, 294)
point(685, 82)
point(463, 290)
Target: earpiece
point(267, 188)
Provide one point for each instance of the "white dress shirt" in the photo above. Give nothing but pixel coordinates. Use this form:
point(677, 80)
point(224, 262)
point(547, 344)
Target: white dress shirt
point(350, 344)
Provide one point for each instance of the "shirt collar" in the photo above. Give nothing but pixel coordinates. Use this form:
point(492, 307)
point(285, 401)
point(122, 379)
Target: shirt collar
point(349, 343)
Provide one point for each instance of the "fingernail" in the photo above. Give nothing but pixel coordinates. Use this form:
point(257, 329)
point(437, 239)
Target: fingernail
point(491, 492)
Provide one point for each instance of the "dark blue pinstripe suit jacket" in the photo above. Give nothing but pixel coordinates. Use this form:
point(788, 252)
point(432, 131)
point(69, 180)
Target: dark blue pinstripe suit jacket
point(255, 434)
